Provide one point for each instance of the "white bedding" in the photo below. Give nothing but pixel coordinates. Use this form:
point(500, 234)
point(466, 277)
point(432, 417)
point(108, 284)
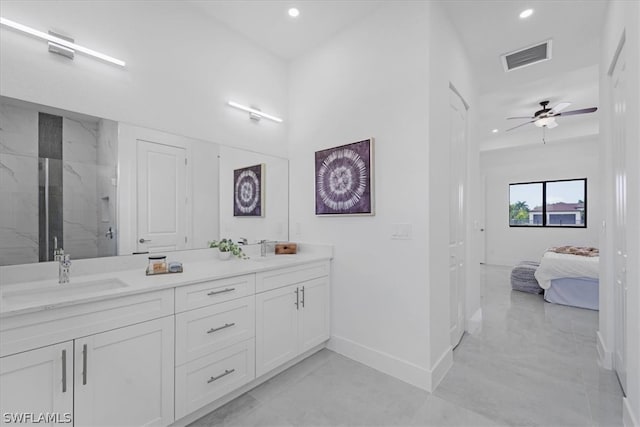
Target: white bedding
point(555, 266)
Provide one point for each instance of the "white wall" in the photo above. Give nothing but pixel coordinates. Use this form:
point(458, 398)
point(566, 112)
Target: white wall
point(181, 69)
point(561, 160)
point(362, 84)
point(622, 17)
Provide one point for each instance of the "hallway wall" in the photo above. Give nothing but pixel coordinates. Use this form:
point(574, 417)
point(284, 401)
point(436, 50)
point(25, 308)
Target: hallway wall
point(559, 160)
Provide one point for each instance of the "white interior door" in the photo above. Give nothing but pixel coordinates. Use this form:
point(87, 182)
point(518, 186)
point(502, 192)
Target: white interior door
point(620, 217)
point(457, 221)
point(162, 197)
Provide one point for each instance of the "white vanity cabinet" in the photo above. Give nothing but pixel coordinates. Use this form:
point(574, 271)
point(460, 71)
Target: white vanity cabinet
point(292, 313)
point(112, 367)
point(215, 345)
point(38, 381)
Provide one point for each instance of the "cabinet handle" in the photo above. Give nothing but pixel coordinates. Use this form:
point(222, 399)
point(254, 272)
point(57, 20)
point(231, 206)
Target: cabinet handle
point(64, 371)
point(297, 303)
point(302, 299)
point(224, 374)
point(84, 364)
point(221, 292)
point(219, 328)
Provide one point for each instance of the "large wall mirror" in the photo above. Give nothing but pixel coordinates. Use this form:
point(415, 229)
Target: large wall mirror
point(95, 187)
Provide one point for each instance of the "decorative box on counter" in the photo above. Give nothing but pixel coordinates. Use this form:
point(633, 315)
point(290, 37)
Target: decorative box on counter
point(286, 248)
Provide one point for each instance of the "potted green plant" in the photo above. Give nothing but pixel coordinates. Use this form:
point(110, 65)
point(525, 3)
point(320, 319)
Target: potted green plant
point(226, 248)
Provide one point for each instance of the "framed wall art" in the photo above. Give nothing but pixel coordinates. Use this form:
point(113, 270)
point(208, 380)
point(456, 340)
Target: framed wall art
point(344, 179)
point(248, 191)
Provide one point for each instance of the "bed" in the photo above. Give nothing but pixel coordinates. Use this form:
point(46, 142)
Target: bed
point(569, 276)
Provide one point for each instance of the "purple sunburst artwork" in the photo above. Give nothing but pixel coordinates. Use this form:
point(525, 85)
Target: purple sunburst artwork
point(248, 191)
point(344, 179)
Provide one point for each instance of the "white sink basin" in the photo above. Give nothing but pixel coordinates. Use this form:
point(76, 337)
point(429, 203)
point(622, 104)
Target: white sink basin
point(66, 290)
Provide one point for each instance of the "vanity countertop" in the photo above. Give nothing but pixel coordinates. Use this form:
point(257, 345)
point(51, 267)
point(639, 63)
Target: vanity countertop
point(42, 295)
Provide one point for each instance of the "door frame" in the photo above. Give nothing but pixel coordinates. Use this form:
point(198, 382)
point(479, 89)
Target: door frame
point(128, 136)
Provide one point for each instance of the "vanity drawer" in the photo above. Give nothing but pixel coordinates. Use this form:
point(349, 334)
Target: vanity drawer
point(214, 291)
point(207, 379)
point(273, 279)
point(205, 330)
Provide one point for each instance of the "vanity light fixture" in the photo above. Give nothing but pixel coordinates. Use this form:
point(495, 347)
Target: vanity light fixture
point(254, 113)
point(58, 43)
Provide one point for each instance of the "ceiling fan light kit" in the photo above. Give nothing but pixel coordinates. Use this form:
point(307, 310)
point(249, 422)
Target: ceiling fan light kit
point(546, 117)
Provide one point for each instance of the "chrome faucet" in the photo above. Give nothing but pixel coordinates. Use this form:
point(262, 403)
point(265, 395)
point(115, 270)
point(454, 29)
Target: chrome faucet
point(64, 268)
point(243, 241)
point(263, 248)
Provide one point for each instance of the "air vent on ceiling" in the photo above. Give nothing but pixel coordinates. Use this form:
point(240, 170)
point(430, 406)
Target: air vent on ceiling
point(527, 56)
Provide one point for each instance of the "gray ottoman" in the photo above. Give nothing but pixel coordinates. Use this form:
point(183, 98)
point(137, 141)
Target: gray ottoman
point(523, 279)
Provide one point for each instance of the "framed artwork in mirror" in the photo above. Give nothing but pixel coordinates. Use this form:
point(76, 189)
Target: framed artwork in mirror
point(344, 179)
point(248, 191)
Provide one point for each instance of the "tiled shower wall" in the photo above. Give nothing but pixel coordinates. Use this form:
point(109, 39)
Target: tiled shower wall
point(89, 193)
point(18, 185)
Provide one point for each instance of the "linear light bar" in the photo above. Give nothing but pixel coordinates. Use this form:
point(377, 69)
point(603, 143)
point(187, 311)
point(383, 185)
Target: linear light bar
point(61, 42)
point(254, 111)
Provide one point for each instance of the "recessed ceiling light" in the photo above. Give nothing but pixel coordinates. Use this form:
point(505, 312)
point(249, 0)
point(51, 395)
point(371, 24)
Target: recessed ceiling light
point(293, 12)
point(526, 13)
point(495, 131)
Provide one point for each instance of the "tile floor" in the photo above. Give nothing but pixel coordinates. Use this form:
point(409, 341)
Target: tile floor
point(531, 364)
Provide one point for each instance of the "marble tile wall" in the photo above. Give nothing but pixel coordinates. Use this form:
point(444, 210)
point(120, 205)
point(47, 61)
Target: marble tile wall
point(80, 196)
point(107, 159)
point(18, 185)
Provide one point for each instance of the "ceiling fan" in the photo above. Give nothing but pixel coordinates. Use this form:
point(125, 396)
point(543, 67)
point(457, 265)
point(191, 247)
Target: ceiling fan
point(546, 117)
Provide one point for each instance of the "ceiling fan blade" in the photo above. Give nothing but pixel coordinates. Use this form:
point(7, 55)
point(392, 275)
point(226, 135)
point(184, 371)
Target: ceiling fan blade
point(574, 112)
point(519, 118)
point(516, 127)
point(561, 106)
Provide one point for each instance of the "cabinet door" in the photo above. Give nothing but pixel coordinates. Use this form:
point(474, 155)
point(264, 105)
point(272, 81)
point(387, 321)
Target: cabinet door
point(276, 328)
point(125, 377)
point(39, 383)
point(314, 313)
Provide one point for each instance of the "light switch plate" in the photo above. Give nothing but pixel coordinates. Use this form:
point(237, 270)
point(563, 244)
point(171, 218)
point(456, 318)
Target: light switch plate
point(401, 231)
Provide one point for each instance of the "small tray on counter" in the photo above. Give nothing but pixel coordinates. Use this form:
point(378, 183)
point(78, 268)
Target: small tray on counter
point(151, 273)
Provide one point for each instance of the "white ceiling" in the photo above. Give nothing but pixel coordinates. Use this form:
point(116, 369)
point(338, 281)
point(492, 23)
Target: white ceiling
point(487, 28)
point(267, 23)
point(491, 28)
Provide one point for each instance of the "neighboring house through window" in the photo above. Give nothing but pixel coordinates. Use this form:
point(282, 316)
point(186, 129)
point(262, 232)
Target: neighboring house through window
point(561, 203)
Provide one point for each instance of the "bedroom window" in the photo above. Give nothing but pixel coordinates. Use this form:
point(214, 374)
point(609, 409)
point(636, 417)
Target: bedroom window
point(561, 203)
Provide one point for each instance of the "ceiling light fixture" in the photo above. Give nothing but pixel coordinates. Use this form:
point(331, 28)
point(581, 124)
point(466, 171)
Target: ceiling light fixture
point(495, 131)
point(526, 13)
point(60, 42)
point(548, 122)
point(254, 113)
point(294, 12)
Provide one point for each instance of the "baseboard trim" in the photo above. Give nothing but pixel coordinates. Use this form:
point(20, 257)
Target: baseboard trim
point(474, 324)
point(628, 417)
point(392, 365)
point(605, 358)
point(440, 369)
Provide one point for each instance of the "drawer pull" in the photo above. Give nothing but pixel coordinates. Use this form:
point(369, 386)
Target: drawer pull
point(219, 328)
point(64, 371)
point(84, 364)
point(221, 292)
point(224, 374)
